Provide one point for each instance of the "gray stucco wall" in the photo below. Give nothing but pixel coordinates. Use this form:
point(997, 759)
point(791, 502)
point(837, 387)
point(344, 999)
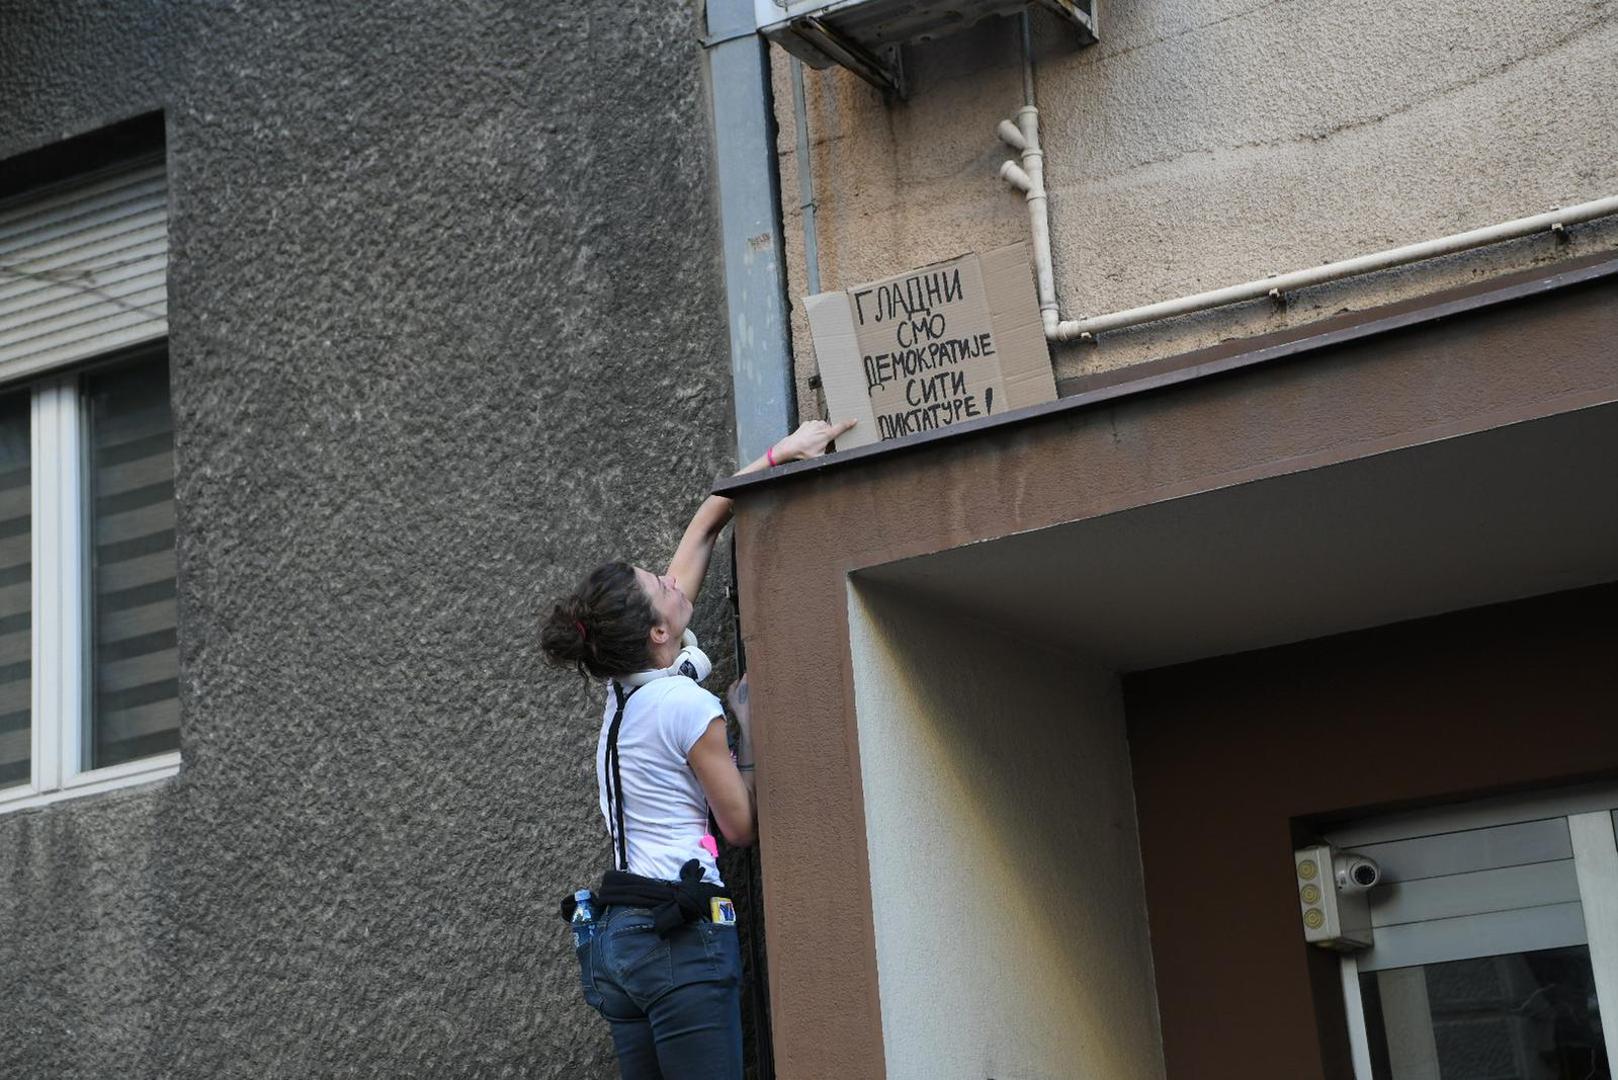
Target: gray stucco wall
point(446, 330)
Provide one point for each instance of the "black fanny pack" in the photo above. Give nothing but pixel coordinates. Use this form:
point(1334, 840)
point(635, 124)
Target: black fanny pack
point(672, 903)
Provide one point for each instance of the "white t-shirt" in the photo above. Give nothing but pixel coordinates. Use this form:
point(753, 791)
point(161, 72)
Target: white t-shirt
point(665, 808)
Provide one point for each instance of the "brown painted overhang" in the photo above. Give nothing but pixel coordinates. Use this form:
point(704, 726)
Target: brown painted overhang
point(1292, 345)
point(1531, 347)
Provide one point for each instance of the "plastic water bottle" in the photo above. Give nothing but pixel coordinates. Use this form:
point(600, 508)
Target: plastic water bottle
point(584, 919)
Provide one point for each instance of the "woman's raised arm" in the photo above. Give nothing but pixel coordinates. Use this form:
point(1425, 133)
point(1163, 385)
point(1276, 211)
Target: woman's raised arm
point(689, 566)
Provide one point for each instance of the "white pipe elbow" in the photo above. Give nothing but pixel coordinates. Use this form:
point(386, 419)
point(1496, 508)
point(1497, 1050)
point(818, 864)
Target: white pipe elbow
point(1067, 330)
point(1011, 136)
point(1013, 174)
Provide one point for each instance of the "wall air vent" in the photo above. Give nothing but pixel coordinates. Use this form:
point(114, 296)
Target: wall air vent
point(864, 35)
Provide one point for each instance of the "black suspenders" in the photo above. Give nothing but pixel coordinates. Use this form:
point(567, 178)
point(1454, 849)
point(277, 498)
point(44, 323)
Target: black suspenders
point(615, 781)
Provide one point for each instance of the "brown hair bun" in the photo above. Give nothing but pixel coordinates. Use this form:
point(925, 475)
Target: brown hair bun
point(602, 628)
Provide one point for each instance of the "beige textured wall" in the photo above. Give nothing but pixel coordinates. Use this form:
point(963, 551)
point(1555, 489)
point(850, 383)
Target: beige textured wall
point(1006, 886)
point(1205, 144)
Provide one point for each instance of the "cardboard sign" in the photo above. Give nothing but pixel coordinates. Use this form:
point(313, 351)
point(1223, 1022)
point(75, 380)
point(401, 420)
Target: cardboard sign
point(933, 347)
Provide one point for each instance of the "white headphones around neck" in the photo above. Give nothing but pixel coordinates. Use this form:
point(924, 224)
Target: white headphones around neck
point(692, 662)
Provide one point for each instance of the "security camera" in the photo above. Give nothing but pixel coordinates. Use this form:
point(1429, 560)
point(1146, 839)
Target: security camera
point(1331, 894)
point(1355, 873)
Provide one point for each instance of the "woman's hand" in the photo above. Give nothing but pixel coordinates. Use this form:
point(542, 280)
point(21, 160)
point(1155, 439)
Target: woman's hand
point(810, 440)
point(736, 698)
point(690, 563)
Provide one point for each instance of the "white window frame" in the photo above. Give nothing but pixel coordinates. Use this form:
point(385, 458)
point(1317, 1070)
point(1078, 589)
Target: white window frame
point(1590, 816)
point(61, 719)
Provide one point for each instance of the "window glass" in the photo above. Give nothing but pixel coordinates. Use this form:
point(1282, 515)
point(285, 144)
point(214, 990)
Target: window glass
point(135, 710)
point(16, 596)
point(1522, 1016)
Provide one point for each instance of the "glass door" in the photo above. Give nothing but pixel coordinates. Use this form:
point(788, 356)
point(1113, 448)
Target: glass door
point(1495, 952)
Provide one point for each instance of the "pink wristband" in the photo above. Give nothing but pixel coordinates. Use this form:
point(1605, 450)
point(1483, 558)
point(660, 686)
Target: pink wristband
point(769, 455)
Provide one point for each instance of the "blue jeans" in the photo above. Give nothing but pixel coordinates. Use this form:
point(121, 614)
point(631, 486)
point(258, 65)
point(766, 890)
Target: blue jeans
point(674, 1003)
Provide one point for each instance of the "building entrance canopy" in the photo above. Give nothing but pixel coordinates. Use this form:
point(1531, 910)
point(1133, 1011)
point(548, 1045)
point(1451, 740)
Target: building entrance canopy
point(914, 609)
point(1447, 525)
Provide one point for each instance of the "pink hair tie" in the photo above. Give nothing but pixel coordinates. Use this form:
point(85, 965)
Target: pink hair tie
point(582, 635)
point(769, 455)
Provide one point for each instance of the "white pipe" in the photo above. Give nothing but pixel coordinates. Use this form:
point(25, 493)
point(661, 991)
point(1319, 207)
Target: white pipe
point(1039, 217)
point(1011, 136)
point(1012, 174)
point(1056, 329)
point(1023, 136)
point(1554, 220)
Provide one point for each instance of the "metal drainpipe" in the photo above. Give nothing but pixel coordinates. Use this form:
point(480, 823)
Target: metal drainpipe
point(760, 335)
point(750, 227)
point(1028, 59)
point(806, 181)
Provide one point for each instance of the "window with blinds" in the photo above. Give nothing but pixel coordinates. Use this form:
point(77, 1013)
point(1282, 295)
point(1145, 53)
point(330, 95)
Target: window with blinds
point(16, 600)
point(89, 668)
point(135, 708)
point(83, 269)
